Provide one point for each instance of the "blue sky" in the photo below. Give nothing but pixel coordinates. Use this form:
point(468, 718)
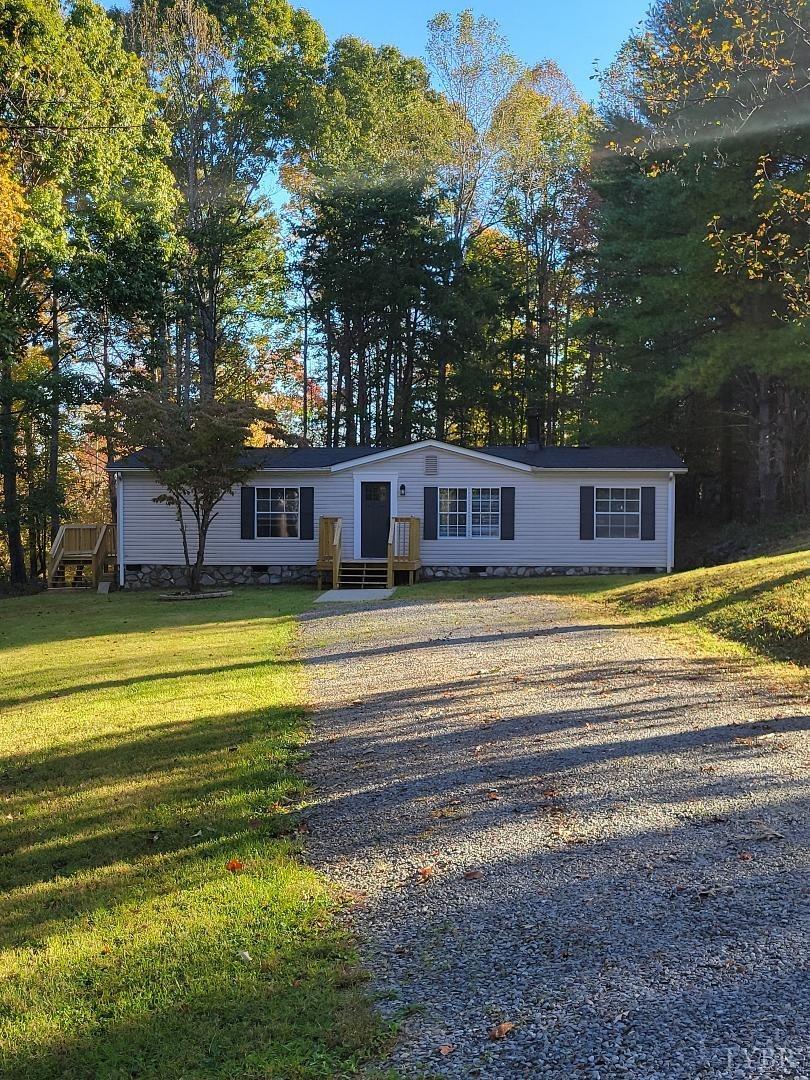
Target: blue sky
point(575, 33)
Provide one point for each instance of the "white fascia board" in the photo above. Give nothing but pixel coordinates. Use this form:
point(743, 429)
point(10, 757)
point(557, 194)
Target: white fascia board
point(431, 444)
point(613, 469)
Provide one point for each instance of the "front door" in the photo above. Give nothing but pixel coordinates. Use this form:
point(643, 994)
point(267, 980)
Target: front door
point(375, 517)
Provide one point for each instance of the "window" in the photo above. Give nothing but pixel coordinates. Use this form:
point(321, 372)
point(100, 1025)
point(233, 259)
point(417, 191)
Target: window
point(452, 512)
point(277, 512)
point(467, 512)
point(618, 513)
point(486, 512)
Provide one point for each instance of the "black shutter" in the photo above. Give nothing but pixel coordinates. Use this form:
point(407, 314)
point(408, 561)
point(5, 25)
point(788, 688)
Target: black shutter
point(586, 513)
point(648, 513)
point(307, 505)
point(248, 513)
point(430, 519)
point(507, 513)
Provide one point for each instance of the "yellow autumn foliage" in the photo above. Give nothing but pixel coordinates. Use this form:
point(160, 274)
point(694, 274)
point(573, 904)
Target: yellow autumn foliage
point(12, 206)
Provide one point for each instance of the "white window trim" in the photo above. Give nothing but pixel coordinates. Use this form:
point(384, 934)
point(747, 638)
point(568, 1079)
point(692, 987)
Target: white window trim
point(361, 477)
point(618, 487)
point(256, 512)
point(468, 534)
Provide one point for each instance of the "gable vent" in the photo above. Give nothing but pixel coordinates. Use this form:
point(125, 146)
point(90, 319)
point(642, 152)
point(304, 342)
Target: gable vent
point(431, 464)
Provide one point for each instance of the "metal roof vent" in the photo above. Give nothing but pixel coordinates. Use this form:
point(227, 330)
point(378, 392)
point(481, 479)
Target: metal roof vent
point(431, 464)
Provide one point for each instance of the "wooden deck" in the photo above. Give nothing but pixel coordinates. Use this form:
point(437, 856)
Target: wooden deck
point(404, 555)
point(82, 556)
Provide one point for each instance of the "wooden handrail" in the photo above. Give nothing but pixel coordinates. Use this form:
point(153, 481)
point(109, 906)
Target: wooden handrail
point(78, 541)
point(55, 554)
point(337, 544)
point(103, 549)
point(330, 542)
point(392, 533)
point(403, 547)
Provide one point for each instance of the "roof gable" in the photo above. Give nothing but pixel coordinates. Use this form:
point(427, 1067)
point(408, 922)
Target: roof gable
point(484, 454)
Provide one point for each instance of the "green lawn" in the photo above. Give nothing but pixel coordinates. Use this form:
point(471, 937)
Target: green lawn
point(145, 746)
point(760, 606)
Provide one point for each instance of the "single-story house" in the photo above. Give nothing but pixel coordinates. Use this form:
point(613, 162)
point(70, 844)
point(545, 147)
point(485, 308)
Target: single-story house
point(443, 510)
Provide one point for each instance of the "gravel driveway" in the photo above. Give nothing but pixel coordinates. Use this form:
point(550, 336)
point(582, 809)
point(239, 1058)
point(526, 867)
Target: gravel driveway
point(568, 827)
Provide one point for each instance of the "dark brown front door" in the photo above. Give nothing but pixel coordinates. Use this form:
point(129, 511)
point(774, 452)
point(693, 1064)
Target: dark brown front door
point(375, 517)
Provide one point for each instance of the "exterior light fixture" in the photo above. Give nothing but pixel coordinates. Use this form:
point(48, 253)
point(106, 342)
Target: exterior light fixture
point(402, 489)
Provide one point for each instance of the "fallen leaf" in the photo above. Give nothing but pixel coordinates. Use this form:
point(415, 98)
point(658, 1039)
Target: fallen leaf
point(234, 866)
point(500, 1031)
point(763, 831)
point(745, 856)
point(493, 795)
point(473, 875)
point(446, 1048)
point(425, 872)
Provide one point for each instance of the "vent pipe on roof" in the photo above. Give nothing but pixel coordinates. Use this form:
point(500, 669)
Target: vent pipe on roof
point(533, 439)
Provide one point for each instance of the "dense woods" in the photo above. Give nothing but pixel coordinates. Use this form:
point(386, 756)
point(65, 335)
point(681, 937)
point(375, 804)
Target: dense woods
point(204, 205)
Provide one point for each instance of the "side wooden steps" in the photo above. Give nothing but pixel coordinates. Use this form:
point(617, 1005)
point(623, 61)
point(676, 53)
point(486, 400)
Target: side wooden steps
point(73, 574)
point(363, 574)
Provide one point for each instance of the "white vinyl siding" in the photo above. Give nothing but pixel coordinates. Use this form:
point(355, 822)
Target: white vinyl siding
point(547, 511)
point(152, 534)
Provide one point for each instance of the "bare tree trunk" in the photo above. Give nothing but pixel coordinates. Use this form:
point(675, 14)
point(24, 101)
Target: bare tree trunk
point(110, 448)
point(54, 425)
point(305, 367)
point(207, 347)
point(30, 468)
point(765, 448)
point(8, 464)
point(331, 400)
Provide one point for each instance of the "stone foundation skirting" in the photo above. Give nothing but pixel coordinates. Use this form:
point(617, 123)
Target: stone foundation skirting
point(160, 576)
point(459, 573)
point(154, 576)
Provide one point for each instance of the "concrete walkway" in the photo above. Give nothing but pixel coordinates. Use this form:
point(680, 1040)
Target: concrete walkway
point(353, 596)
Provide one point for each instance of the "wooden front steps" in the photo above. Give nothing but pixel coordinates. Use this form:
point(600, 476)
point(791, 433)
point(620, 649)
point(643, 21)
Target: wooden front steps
point(83, 556)
point(363, 574)
point(72, 574)
point(403, 556)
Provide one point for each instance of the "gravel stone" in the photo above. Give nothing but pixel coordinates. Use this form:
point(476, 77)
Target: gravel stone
point(559, 823)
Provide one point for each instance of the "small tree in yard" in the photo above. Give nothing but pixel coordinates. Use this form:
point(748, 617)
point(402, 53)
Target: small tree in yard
point(196, 452)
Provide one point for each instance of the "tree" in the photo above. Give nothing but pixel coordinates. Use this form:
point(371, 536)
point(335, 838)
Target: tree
point(547, 136)
point(236, 92)
point(196, 452)
point(79, 129)
point(475, 72)
point(708, 350)
point(369, 240)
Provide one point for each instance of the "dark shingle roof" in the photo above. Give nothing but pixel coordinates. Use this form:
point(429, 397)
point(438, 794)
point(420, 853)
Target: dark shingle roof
point(591, 457)
point(272, 457)
point(547, 457)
